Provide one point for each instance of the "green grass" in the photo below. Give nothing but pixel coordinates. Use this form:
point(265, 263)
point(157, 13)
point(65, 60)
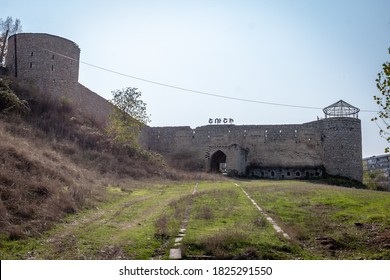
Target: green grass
point(330, 222)
point(141, 222)
point(123, 227)
point(224, 224)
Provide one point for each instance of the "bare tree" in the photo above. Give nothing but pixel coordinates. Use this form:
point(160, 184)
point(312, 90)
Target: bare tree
point(8, 28)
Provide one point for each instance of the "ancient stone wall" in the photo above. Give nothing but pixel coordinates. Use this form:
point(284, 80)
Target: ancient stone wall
point(43, 58)
point(50, 65)
point(342, 140)
point(329, 146)
point(90, 104)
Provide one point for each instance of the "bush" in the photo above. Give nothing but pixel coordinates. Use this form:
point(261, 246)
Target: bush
point(9, 101)
point(376, 180)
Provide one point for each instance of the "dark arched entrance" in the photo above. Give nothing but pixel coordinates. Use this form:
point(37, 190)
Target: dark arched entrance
point(218, 162)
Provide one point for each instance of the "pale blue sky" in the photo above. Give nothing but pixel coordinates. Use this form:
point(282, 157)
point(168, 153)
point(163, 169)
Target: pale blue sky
point(308, 53)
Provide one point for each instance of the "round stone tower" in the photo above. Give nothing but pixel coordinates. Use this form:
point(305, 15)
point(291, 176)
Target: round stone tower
point(49, 62)
point(342, 140)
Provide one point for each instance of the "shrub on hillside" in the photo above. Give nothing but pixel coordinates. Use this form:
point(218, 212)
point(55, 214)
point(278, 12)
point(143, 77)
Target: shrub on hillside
point(9, 101)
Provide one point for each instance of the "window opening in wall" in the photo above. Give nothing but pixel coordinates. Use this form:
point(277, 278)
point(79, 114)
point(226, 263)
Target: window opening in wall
point(307, 174)
point(288, 174)
point(31, 64)
point(298, 174)
point(52, 67)
point(32, 53)
point(272, 173)
point(52, 57)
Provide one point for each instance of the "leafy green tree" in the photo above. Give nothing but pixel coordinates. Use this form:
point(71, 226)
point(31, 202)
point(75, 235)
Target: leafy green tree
point(128, 117)
point(383, 101)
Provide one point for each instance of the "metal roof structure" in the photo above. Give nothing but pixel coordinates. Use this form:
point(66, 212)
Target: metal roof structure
point(341, 109)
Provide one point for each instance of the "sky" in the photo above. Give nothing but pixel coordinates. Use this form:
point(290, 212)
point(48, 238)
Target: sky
point(301, 53)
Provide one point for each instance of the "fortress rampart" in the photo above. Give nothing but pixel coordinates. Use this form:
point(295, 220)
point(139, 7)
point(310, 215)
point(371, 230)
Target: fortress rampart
point(328, 146)
point(50, 64)
point(331, 146)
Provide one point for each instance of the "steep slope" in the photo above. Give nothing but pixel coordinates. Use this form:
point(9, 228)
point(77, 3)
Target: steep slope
point(54, 161)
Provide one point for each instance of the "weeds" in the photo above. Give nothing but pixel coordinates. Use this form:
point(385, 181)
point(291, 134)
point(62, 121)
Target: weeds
point(224, 244)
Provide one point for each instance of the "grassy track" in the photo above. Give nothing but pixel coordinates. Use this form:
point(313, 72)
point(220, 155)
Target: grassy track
point(329, 222)
point(224, 224)
point(124, 227)
point(325, 222)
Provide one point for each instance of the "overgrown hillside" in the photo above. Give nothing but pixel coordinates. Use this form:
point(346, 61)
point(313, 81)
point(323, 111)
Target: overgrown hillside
point(54, 161)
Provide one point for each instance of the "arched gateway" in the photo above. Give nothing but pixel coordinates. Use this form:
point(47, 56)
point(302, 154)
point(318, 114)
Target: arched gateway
point(327, 146)
point(218, 162)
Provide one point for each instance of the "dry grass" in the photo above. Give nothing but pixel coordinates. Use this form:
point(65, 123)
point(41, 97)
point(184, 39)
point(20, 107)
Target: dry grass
point(224, 244)
point(39, 186)
point(50, 160)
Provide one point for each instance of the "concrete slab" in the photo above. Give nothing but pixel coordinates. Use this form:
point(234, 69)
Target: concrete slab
point(175, 254)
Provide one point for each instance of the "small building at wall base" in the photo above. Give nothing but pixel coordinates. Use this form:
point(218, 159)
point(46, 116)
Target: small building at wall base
point(377, 171)
point(330, 146)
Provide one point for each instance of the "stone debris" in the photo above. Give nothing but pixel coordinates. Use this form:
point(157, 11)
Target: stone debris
point(175, 253)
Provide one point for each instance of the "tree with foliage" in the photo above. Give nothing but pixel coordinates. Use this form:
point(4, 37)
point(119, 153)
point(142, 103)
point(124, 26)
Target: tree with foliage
point(383, 101)
point(128, 116)
point(8, 28)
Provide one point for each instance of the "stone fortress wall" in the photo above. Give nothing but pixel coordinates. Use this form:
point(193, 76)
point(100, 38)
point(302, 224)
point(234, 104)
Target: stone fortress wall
point(51, 65)
point(328, 146)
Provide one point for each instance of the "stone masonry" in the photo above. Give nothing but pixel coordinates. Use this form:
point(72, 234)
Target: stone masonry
point(329, 146)
point(50, 64)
